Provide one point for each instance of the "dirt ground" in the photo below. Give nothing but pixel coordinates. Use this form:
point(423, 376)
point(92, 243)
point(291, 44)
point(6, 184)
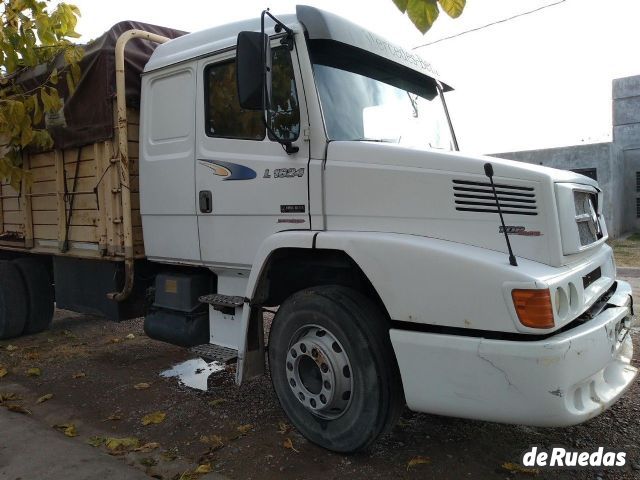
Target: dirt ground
point(91, 366)
point(627, 250)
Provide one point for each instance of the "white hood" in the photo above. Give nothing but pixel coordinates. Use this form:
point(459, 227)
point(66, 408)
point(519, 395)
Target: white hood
point(389, 188)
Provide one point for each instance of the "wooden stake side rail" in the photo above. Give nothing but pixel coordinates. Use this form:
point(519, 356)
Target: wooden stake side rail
point(38, 218)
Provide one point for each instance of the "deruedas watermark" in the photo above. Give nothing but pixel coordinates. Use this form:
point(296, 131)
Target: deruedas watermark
point(558, 457)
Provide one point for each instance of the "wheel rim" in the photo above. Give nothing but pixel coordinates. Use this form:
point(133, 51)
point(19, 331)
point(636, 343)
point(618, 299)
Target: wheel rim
point(318, 372)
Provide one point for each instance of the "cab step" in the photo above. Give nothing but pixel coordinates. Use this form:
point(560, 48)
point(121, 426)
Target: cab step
point(219, 300)
point(215, 353)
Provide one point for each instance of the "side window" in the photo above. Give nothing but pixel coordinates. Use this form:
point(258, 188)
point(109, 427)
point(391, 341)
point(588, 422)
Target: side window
point(226, 119)
point(223, 115)
point(284, 114)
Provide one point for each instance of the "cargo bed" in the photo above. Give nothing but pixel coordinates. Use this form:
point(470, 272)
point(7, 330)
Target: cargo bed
point(82, 218)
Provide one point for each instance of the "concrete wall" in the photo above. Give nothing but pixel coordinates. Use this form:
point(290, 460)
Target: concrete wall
point(626, 137)
point(598, 156)
point(616, 163)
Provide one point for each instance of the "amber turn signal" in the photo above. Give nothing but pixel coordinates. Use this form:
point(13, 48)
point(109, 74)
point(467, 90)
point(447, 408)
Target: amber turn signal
point(533, 308)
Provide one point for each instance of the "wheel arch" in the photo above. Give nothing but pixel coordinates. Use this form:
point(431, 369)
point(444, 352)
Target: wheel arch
point(286, 263)
point(288, 270)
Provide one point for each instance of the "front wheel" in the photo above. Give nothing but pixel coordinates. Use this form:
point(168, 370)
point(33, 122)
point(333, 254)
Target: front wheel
point(333, 367)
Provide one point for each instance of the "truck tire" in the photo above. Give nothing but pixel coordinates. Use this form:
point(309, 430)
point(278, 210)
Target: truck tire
point(13, 301)
point(39, 294)
point(333, 367)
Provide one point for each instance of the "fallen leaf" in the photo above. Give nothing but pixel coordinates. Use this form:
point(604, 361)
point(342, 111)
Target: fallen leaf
point(69, 429)
point(142, 386)
point(148, 462)
point(32, 356)
point(3, 372)
point(283, 428)
point(217, 402)
point(34, 372)
point(154, 418)
point(131, 336)
point(419, 460)
point(113, 417)
point(18, 409)
point(44, 398)
point(245, 428)
point(403, 423)
point(189, 475)
point(96, 441)
point(11, 348)
point(202, 469)
point(79, 375)
point(8, 397)
point(516, 467)
point(122, 444)
point(213, 441)
point(289, 444)
point(147, 447)
point(169, 455)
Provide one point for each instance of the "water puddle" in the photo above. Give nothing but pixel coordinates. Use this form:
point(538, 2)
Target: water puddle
point(193, 373)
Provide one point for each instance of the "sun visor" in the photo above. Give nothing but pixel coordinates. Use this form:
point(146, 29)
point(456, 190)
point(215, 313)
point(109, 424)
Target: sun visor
point(321, 25)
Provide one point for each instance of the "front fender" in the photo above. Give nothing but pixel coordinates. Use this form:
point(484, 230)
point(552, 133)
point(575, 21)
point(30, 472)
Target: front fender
point(437, 282)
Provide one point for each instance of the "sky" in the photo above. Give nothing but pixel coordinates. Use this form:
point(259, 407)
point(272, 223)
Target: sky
point(539, 81)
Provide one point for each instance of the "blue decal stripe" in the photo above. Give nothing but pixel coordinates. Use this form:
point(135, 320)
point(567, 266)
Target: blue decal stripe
point(238, 172)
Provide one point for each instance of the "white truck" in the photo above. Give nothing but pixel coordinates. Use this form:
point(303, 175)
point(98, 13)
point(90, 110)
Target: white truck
point(311, 165)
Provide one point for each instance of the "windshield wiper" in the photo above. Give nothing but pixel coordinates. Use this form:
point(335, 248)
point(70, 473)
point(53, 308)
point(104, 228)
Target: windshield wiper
point(414, 104)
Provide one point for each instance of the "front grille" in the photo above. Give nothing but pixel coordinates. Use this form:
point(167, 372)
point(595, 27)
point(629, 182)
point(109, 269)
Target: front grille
point(587, 237)
point(478, 197)
point(587, 218)
point(581, 200)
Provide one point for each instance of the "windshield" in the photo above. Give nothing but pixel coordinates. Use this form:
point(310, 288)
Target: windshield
point(360, 107)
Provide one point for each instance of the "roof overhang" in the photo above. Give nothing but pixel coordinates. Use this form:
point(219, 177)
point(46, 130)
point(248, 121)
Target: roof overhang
point(321, 25)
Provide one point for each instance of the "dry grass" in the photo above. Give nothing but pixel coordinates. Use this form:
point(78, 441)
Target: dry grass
point(627, 251)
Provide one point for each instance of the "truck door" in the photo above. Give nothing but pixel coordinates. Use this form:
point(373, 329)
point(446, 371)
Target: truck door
point(167, 164)
point(247, 186)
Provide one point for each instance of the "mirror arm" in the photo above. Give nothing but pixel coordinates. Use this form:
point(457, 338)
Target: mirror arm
point(279, 25)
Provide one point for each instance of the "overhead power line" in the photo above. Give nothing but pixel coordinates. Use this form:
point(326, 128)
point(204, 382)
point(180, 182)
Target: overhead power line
point(491, 24)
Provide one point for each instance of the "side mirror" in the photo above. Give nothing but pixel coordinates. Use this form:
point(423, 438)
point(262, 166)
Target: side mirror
point(253, 70)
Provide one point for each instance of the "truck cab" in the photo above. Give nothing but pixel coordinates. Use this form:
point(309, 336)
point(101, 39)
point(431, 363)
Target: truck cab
point(345, 203)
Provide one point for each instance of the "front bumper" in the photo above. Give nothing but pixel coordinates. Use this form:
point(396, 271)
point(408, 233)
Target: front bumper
point(562, 380)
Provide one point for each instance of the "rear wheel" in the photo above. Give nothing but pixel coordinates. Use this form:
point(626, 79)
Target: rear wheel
point(13, 301)
point(39, 294)
point(333, 367)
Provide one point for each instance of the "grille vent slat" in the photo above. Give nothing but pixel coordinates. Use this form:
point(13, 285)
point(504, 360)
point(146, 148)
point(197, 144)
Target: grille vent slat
point(588, 229)
point(478, 197)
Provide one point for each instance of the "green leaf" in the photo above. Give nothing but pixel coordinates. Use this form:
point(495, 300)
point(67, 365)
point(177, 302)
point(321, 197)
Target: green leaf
point(423, 13)
point(54, 76)
point(46, 100)
point(70, 84)
point(37, 112)
point(32, 32)
point(453, 8)
point(401, 4)
point(26, 135)
point(75, 72)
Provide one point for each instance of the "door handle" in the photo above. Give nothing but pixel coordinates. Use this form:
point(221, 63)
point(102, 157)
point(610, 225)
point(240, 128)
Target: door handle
point(206, 201)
